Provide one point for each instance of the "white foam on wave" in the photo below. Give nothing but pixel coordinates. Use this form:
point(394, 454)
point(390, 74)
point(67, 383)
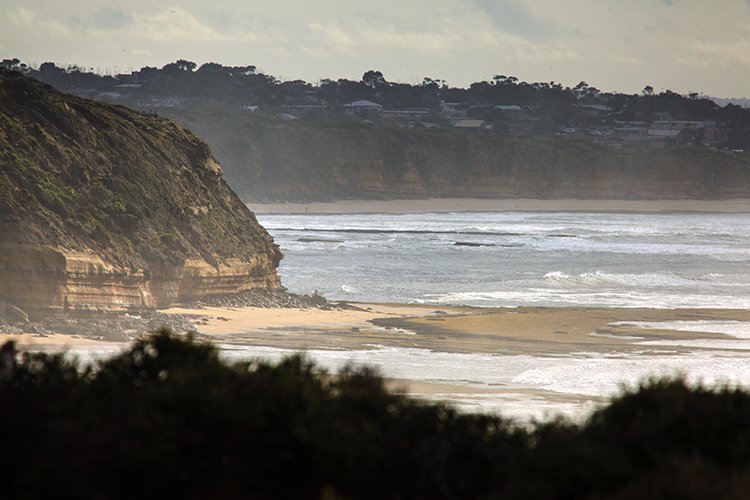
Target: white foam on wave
point(710, 344)
point(637, 297)
point(603, 278)
point(518, 406)
point(87, 354)
point(588, 374)
point(593, 245)
point(738, 329)
point(584, 375)
point(601, 376)
point(479, 369)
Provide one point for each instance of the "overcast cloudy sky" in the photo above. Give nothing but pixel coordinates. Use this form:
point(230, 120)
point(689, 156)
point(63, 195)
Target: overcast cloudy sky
point(683, 45)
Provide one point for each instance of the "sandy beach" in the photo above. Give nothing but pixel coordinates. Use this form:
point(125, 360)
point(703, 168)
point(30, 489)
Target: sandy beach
point(523, 330)
point(503, 333)
point(503, 205)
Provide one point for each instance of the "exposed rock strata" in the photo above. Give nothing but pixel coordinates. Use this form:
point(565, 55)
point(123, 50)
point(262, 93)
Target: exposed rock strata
point(104, 208)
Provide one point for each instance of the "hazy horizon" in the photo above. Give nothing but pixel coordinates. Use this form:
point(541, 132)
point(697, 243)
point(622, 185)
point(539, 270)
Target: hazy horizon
point(681, 45)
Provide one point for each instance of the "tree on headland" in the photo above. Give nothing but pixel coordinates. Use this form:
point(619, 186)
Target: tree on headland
point(10, 63)
point(373, 79)
point(179, 65)
point(181, 81)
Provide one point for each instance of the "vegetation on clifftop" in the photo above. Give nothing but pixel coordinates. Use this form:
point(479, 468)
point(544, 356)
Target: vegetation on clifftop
point(137, 189)
point(372, 138)
point(169, 418)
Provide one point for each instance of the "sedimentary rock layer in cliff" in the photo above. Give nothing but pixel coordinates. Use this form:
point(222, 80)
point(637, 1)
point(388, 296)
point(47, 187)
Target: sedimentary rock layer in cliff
point(106, 208)
point(267, 160)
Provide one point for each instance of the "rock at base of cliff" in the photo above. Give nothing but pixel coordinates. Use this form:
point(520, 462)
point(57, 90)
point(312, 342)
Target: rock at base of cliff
point(12, 313)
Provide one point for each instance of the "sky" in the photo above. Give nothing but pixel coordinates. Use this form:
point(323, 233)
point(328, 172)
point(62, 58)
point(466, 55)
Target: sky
point(614, 45)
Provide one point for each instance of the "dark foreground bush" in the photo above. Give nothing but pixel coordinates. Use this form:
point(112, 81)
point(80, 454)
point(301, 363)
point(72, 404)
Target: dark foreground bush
point(168, 418)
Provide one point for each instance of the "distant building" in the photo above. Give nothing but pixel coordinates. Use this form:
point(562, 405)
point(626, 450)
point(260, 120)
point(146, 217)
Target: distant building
point(595, 109)
point(632, 135)
point(692, 131)
point(362, 105)
point(681, 125)
point(509, 107)
point(168, 102)
point(406, 115)
point(664, 133)
point(471, 124)
point(454, 108)
point(301, 109)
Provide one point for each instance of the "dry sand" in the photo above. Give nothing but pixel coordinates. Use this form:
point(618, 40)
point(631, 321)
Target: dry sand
point(58, 341)
point(504, 205)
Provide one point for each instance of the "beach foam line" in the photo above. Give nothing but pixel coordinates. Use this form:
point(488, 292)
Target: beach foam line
point(737, 329)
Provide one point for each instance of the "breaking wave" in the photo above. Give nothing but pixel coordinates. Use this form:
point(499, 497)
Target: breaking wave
point(602, 278)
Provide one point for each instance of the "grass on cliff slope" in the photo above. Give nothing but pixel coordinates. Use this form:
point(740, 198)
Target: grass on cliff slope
point(137, 189)
point(169, 418)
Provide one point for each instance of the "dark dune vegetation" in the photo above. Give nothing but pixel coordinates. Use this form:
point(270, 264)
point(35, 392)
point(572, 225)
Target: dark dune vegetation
point(169, 418)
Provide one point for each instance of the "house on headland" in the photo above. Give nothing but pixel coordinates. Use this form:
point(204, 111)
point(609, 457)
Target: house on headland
point(361, 105)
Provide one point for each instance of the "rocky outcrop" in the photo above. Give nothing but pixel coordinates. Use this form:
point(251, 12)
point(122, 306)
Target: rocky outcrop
point(268, 160)
point(105, 208)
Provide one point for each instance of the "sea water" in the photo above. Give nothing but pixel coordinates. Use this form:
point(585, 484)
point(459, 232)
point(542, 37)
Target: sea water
point(671, 260)
point(517, 259)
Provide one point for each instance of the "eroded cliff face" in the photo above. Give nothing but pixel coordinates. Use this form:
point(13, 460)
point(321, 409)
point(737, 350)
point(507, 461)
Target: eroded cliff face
point(105, 208)
point(268, 160)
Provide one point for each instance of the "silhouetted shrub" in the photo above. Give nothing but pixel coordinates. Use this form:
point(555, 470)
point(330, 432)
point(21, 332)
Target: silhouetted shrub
point(169, 418)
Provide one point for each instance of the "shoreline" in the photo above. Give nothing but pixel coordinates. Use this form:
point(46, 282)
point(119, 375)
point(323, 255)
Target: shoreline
point(447, 205)
point(525, 362)
point(444, 328)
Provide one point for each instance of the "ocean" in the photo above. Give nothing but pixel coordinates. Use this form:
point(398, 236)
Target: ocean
point(519, 259)
point(665, 260)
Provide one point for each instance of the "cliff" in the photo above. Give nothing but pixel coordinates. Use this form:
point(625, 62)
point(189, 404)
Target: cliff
point(102, 207)
point(305, 160)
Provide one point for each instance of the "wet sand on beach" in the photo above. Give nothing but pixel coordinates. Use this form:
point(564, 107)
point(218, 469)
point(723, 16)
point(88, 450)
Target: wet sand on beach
point(502, 205)
point(540, 331)
point(523, 330)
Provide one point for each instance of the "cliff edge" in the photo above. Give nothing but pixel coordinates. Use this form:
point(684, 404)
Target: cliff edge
point(102, 207)
point(273, 160)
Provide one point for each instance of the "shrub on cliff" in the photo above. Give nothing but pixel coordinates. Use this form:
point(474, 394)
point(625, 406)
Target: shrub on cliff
point(168, 417)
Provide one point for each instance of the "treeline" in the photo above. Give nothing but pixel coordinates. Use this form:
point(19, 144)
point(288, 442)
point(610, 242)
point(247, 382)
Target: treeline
point(169, 418)
point(243, 85)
